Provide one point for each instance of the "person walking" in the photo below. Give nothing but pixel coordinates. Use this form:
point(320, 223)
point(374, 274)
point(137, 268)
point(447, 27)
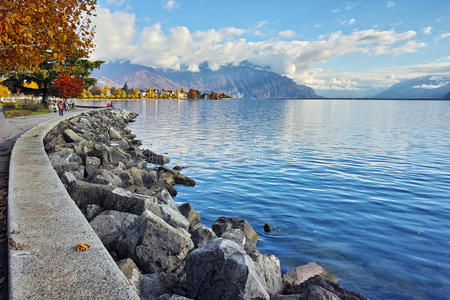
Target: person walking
point(61, 108)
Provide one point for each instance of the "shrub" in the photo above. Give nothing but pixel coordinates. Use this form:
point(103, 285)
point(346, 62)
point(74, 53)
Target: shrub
point(7, 106)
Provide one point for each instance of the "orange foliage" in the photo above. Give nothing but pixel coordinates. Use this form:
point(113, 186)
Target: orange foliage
point(34, 31)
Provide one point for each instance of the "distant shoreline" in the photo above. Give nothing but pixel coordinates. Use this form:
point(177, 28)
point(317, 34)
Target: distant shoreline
point(283, 98)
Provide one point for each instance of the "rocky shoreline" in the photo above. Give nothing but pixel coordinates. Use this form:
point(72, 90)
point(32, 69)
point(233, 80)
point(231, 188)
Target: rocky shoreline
point(126, 193)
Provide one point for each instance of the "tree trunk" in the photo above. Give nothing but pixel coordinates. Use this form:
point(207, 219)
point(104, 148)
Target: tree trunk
point(45, 96)
point(45, 91)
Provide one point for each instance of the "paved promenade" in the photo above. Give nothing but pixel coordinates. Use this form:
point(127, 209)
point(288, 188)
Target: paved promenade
point(10, 130)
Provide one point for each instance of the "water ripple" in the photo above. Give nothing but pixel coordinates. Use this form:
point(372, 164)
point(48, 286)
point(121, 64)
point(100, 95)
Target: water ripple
point(361, 187)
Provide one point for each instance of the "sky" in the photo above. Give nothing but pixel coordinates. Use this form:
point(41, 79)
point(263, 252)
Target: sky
point(339, 48)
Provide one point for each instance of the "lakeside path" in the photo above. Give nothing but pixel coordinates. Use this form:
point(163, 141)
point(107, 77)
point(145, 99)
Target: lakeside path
point(10, 130)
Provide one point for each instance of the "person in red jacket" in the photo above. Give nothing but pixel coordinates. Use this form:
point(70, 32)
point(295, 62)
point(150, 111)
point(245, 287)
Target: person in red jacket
point(61, 108)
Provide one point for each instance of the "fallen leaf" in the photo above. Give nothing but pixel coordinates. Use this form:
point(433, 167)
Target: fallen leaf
point(36, 135)
point(18, 231)
point(83, 247)
point(15, 245)
point(12, 242)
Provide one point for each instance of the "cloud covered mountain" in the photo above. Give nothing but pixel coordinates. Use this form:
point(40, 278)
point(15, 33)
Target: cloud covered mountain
point(426, 87)
point(242, 81)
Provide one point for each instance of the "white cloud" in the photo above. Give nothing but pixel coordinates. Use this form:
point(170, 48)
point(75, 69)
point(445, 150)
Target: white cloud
point(442, 36)
point(114, 34)
point(170, 4)
point(427, 30)
point(322, 79)
point(118, 39)
point(390, 4)
point(431, 86)
point(335, 11)
point(348, 22)
point(258, 33)
point(261, 24)
point(287, 33)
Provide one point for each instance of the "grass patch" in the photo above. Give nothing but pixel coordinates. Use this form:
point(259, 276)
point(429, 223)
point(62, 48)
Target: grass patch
point(12, 110)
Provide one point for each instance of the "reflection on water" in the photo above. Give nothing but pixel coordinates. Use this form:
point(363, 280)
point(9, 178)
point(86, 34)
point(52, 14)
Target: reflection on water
point(361, 187)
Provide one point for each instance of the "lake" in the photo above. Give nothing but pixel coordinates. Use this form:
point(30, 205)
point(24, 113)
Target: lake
point(360, 187)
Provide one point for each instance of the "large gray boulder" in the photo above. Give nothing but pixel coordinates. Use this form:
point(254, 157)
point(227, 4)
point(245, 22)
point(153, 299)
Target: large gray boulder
point(172, 297)
point(92, 164)
point(168, 210)
point(119, 232)
point(67, 177)
point(188, 211)
point(108, 176)
point(224, 224)
point(270, 265)
point(113, 198)
point(154, 158)
point(63, 157)
point(236, 235)
point(222, 270)
point(131, 273)
point(201, 234)
point(92, 210)
point(319, 288)
point(114, 134)
point(300, 274)
point(162, 248)
point(54, 142)
point(137, 176)
point(70, 136)
point(158, 284)
point(110, 197)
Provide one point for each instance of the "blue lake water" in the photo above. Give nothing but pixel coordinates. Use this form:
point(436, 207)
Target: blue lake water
point(360, 187)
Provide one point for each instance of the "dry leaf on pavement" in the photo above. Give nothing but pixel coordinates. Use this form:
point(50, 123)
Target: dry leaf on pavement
point(83, 246)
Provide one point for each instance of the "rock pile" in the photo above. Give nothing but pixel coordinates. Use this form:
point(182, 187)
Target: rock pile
point(163, 250)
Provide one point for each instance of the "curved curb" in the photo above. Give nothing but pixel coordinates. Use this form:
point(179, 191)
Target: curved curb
point(48, 225)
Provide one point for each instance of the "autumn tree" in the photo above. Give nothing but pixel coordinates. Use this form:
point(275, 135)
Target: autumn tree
point(194, 94)
point(117, 93)
point(31, 85)
point(4, 91)
point(66, 86)
point(95, 91)
point(77, 65)
point(35, 31)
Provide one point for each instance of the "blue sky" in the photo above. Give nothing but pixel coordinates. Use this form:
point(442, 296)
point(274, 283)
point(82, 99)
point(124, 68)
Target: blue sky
point(350, 48)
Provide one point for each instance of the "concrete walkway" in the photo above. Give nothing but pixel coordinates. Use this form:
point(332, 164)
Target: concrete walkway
point(44, 228)
point(10, 130)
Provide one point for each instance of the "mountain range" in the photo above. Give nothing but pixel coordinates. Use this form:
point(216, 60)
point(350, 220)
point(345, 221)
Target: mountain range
point(425, 87)
point(242, 81)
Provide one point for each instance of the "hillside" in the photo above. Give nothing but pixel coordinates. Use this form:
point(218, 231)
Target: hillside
point(242, 81)
point(427, 87)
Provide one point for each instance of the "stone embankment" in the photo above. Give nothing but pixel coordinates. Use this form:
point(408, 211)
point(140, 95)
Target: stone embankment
point(163, 250)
